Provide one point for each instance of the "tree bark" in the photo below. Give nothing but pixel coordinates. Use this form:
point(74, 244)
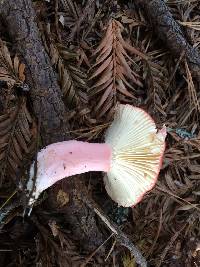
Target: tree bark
point(170, 32)
point(20, 20)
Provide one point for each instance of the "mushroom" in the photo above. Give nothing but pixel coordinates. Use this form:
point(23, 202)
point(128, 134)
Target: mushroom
point(131, 158)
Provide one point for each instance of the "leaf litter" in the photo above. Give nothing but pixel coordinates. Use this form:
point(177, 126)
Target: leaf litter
point(112, 55)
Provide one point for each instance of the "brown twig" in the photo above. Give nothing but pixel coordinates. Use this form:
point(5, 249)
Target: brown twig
point(175, 69)
point(56, 20)
point(157, 234)
point(119, 235)
point(80, 20)
point(94, 252)
point(169, 245)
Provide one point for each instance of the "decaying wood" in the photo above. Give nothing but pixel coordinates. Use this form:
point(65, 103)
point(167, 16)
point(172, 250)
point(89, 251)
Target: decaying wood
point(170, 32)
point(20, 20)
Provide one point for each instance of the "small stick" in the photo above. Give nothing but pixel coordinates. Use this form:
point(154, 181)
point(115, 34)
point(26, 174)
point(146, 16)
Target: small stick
point(94, 252)
point(111, 250)
point(6, 202)
point(5, 211)
point(119, 235)
point(171, 242)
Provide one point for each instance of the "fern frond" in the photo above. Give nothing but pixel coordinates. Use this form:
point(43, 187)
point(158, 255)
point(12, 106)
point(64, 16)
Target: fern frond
point(71, 78)
point(17, 139)
point(11, 71)
point(114, 73)
point(71, 14)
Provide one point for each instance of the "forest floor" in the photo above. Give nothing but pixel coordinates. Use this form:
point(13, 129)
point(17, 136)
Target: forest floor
point(144, 53)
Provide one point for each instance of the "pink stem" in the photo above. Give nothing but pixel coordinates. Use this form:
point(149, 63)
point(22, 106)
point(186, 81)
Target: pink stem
point(68, 158)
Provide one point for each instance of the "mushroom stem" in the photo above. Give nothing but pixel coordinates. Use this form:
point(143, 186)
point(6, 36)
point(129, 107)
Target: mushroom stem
point(131, 157)
point(64, 159)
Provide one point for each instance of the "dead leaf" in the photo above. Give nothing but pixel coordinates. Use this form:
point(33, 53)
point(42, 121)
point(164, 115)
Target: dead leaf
point(54, 228)
point(21, 72)
point(62, 198)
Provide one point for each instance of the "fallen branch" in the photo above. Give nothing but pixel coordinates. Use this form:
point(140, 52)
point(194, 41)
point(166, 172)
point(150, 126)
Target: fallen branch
point(169, 31)
point(19, 17)
point(119, 235)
